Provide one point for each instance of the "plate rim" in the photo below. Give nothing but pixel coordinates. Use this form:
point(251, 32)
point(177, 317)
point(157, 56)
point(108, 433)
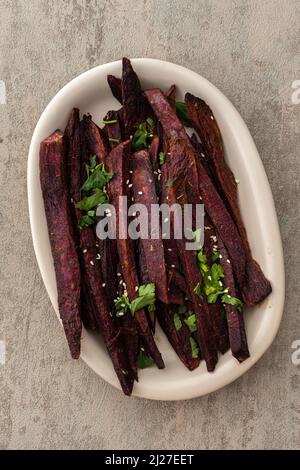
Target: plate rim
point(268, 201)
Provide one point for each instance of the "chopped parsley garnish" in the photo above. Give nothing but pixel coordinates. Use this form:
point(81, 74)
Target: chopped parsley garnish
point(177, 321)
point(228, 299)
point(143, 360)
point(213, 282)
point(112, 121)
point(143, 135)
point(215, 256)
point(181, 112)
point(146, 298)
point(113, 140)
point(191, 323)
point(162, 158)
point(93, 192)
point(169, 184)
point(181, 309)
point(194, 348)
point(197, 289)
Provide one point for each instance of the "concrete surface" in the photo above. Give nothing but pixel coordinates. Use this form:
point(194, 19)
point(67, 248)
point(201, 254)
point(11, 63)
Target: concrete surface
point(250, 50)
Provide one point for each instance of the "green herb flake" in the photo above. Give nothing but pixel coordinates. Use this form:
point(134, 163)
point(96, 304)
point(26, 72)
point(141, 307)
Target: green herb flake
point(162, 158)
point(191, 323)
point(215, 256)
point(169, 184)
point(181, 111)
point(228, 299)
point(112, 121)
point(177, 322)
point(113, 140)
point(143, 135)
point(197, 289)
point(84, 221)
point(194, 348)
point(143, 360)
point(181, 309)
point(89, 202)
point(146, 298)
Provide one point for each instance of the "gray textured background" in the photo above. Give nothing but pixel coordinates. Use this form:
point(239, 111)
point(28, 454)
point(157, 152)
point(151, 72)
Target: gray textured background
point(250, 50)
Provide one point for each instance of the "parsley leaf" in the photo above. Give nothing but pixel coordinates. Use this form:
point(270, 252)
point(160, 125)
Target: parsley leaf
point(181, 112)
point(162, 158)
point(143, 135)
point(191, 323)
point(181, 309)
point(89, 202)
point(228, 299)
point(197, 289)
point(143, 360)
point(177, 322)
point(215, 256)
point(113, 140)
point(97, 179)
point(194, 348)
point(146, 298)
point(84, 221)
point(169, 184)
point(112, 121)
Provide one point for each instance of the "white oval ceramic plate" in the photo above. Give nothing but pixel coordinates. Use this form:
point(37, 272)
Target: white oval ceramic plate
point(90, 93)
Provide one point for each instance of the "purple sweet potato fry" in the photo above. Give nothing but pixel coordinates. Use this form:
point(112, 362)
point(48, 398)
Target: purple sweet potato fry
point(256, 287)
point(115, 86)
point(118, 164)
point(63, 245)
point(136, 107)
point(144, 193)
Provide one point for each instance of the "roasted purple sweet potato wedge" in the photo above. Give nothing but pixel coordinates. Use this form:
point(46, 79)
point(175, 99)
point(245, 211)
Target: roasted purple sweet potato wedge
point(144, 193)
point(57, 207)
point(136, 107)
point(118, 162)
point(256, 287)
point(115, 86)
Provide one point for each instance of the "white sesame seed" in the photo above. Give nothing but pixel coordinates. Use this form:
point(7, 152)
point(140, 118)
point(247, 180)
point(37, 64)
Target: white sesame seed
point(202, 155)
point(150, 181)
point(228, 261)
point(133, 214)
point(169, 249)
point(92, 263)
point(121, 282)
point(136, 288)
point(209, 277)
point(130, 185)
point(207, 227)
point(140, 192)
point(127, 181)
point(166, 219)
point(172, 265)
point(84, 251)
point(220, 256)
point(229, 296)
point(103, 284)
point(158, 171)
point(211, 117)
point(169, 153)
point(119, 274)
point(130, 171)
point(237, 181)
point(220, 283)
